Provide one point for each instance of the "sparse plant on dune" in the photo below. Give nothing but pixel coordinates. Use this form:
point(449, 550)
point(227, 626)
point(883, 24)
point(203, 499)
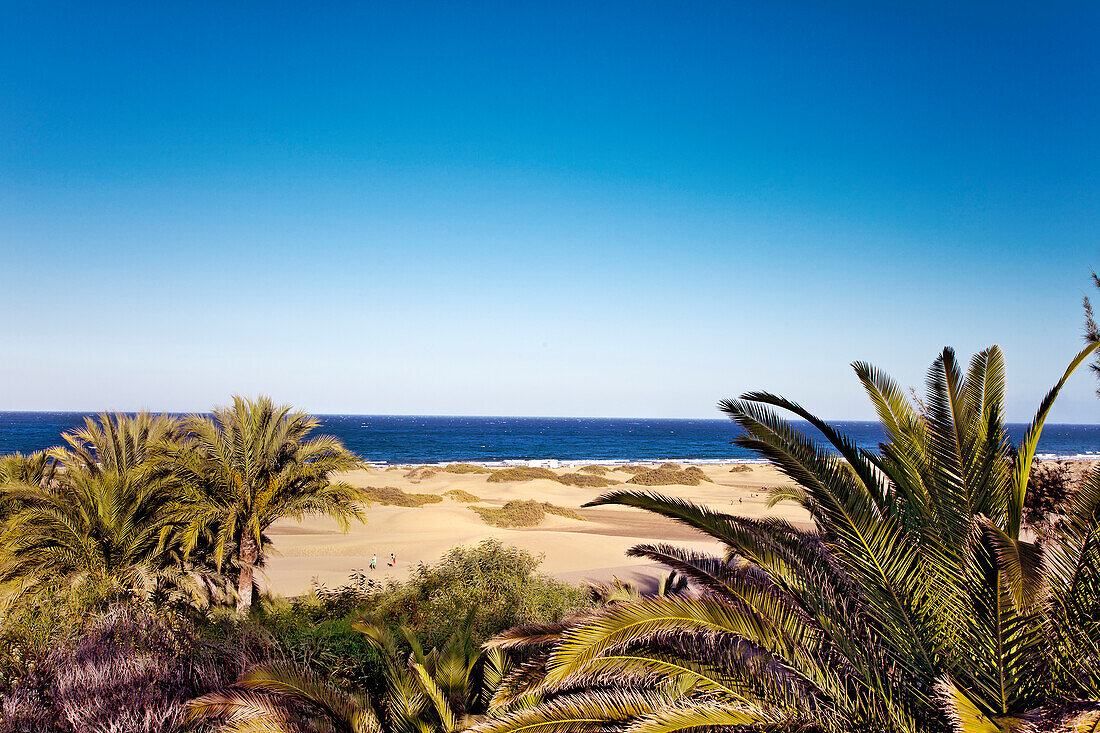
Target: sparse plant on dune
point(587, 480)
point(420, 473)
point(596, 469)
point(667, 477)
point(248, 465)
point(392, 496)
point(466, 468)
point(462, 496)
point(741, 468)
point(523, 513)
point(522, 473)
point(914, 604)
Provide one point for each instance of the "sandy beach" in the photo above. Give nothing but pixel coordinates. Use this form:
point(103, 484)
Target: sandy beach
point(573, 550)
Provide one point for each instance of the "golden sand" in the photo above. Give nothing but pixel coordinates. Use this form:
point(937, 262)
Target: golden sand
point(572, 550)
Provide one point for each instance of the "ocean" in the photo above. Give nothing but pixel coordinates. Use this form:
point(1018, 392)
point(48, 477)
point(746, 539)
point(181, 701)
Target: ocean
point(404, 439)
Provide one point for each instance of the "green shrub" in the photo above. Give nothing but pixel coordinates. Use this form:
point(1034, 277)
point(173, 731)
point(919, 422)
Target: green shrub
point(501, 582)
point(463, 496)
point(665, 477)
point(586, 479)
point(596, 469)
point(522, 473)
point(392, 496)
point(466, 468)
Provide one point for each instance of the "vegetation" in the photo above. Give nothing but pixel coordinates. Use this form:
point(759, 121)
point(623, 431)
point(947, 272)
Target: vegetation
point(245, 467)
point(436, 691)
point(667, 477)
point(632, 468)
point(523, 513)
point(420, 473)
point(466, 468)
point(596, 469)
point(129, 670)
point(915, 603)
point(741, 468)
point(501, 582)
point(462, 496)
point(586, 479)
point(522, 473)
point(392, 496)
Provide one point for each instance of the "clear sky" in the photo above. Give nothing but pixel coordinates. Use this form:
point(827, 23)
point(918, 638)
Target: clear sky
point(581, 208)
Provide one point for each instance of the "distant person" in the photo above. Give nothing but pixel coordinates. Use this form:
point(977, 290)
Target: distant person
point(374, 562)
point(393, 560)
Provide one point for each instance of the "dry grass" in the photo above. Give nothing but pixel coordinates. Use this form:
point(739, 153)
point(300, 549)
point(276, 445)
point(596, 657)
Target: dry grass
point(741, 468)
point(466, 468)
point(522, 473)
point(525, 513)
point(696, 471)
point(562, 511)
point(422, 472)
point(393, 468)
point(393, 496)
point(586, 479)
point(665, 477)
point(631, 468)
point(596, 469)
point(669, 467)
point(464, 497)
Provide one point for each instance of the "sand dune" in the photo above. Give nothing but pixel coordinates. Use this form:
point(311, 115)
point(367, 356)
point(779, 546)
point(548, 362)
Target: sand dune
point(572, 550)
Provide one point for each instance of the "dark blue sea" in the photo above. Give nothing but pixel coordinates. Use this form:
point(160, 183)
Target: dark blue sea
point(427, 439)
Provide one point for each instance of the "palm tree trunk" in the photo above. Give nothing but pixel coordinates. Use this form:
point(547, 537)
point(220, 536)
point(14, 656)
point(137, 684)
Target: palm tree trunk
point(248, 555)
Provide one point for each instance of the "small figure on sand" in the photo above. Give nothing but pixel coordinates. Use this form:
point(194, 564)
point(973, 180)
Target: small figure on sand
point(393, 560)
point(374, 562)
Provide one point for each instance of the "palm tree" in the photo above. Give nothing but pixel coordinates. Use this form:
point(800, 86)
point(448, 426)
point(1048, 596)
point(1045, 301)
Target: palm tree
point(105, 532)
point(93, 515)
point(35, 469)
point(915, 603)
point(248, 465)
point(117, 443)
point(441, 691)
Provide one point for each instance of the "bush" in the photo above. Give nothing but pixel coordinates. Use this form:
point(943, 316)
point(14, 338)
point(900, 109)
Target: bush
point(501, 582)
point(632, 468)
point(586, 479)
point(128, 671)
point(525, 513)
point(522, 473)
point(596, 469)
point(463, 496)
point(392, 496)
point(665, 477)
point(422, 472)
point(669, 467)
point(696, 471)
point(466, 468)
point(741, 468)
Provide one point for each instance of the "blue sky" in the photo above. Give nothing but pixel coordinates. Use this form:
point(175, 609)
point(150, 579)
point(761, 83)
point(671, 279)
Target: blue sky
point(557, 209)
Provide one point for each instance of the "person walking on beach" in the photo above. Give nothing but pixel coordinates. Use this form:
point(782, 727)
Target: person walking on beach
point(374, 562)
point(393, 560)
